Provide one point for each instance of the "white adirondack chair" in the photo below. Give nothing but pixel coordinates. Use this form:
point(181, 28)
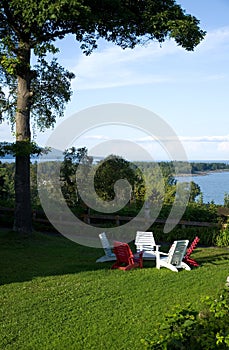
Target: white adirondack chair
point(145, 242)
point(173, 260)
point(109, 255)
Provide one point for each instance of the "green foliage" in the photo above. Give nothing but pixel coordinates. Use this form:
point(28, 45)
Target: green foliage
point(9, 64)
point(157, 183)
point(203, 167)
point(194, 212)
point(187, 329)
point(201, 212)
point(43, 90)
point(194, 191)
point(222, 239)
point(7, 184)
point(112, 169)
point(7, 173)
point(104, 176)
point(163, 185)
point(158, 20)
point(51, 88)
point(104, 184)
point(72, 158)
point(226, 200)
point(50, 91)
point(21, 148)
point(33, 29)
point(207, 235)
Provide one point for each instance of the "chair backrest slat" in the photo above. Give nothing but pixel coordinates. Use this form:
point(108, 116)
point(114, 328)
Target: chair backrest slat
point(123, 252)
point(189, 251)
point(192, 246)
point(145, 241)
point(177, 252)
point(105, 244)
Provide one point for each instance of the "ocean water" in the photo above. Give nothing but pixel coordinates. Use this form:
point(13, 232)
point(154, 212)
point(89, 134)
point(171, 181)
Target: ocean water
point(212, 185)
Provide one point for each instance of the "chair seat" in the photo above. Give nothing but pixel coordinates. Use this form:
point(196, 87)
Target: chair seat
point(125, 259)
point(105, 258)
point(149, 255)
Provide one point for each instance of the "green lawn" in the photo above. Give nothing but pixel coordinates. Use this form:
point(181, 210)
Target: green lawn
point(54, 296)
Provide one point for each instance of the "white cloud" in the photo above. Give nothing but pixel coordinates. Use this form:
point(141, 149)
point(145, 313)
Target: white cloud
point(214, 39)
point(204, 138)
point(224, 147)
point(193, 139)
point(96, 137)
point(201, 147)
point(112, 67)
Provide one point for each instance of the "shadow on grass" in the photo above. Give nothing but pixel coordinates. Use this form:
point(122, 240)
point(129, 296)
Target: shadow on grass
point(214, 259)
point(40, 255)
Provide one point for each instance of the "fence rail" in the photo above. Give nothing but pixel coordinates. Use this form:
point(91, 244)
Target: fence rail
point(116, 219)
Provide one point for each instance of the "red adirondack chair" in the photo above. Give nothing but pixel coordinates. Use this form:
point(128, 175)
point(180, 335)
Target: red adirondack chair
point(126, 260)
point(189, 251)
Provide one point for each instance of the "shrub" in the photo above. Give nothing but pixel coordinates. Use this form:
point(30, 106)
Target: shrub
point(207, 235)
point(222, 239)
point(188, 329)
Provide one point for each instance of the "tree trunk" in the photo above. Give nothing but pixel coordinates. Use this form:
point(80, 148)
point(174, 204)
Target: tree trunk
point(22, 216)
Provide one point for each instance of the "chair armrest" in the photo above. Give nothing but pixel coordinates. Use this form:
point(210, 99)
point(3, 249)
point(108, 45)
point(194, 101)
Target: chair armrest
point(138, 258)
point(157, 251)
point(139, 254)
point(162, 253)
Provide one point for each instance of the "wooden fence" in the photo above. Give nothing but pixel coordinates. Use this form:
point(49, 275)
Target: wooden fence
point(118, 220)
point(94, 219)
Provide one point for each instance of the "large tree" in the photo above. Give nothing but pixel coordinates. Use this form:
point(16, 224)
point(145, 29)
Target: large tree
point(31, 27)
point(110, 170)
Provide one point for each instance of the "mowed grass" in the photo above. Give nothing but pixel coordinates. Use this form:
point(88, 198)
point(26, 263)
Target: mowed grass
point(54, 296)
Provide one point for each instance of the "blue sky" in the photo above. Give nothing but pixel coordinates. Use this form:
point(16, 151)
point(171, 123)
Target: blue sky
point(189, 90)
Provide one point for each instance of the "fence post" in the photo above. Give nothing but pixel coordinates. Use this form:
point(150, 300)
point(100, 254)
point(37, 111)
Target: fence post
point(87, 219)
point(117, 221)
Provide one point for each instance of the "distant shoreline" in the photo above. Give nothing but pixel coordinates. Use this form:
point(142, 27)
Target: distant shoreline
point(204, 173)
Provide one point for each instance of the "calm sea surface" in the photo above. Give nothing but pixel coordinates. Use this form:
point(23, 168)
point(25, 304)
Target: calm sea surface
point(213, 185)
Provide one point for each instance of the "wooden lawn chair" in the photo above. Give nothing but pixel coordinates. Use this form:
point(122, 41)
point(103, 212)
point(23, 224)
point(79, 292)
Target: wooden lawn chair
point(173, 260)
point(125, 259)
point(189, 251)
point(145, 242)
point(109, 255)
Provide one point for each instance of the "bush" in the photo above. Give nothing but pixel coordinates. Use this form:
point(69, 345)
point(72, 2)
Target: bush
point(201, 212)
point(188, 329)
point(207, 235)
point(222, 239)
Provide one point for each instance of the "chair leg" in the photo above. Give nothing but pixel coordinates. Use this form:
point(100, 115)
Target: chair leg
point(131, 266)
point(157, 259)
point(115, 266)
point(172, 267)
point(191, 262)
point(168, 266)
point(185, 266)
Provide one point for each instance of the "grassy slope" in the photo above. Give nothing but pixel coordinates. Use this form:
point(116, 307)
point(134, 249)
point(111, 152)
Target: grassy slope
point(54, 296)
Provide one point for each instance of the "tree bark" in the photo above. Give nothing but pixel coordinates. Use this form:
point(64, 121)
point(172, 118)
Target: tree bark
point(22, 216)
